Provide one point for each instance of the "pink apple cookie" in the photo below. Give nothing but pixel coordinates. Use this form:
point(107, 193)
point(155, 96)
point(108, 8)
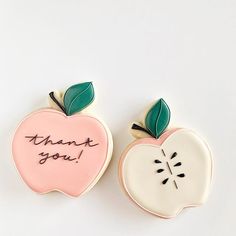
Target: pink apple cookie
point(61, 150)
point(165, 171)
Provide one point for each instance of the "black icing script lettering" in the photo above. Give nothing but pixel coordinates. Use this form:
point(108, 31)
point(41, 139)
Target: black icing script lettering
point(45, 141)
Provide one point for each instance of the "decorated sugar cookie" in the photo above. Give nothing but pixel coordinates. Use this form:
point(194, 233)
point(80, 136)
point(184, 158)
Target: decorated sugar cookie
point(62, 148)
point(165, 170)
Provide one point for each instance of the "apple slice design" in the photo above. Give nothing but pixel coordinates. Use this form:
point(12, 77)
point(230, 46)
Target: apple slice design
point(61, 150)
point(165, 171)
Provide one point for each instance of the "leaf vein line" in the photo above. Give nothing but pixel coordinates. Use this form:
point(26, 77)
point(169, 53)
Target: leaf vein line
point(158, 116)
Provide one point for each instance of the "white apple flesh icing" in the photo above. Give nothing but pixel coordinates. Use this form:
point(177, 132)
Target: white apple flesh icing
point(164, 179)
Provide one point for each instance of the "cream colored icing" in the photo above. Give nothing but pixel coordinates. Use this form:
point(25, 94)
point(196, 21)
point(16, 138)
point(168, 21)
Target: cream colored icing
point(138, 172)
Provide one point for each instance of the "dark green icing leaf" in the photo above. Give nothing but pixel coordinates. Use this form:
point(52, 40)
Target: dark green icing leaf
point(78, 97)
point(157, 118)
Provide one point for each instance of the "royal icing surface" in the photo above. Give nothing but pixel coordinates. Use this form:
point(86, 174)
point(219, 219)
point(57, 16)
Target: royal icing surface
point(63, 150)
point(57, 152)
point(165, 171)
point(165, 175)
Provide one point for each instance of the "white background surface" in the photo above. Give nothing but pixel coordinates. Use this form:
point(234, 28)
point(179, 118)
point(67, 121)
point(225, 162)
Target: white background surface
point(134, 51)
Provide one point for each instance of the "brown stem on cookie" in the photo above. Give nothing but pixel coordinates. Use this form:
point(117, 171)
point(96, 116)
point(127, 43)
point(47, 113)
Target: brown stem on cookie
point(137, 127)
point(51, 94)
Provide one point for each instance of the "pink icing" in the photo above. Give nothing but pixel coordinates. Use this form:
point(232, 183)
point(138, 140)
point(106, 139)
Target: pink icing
point(72, 177)
point(150, 140)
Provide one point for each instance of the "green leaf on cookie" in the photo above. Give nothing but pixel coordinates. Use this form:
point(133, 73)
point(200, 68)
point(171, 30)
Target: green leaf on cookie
point(78, 97)
point(157, 118)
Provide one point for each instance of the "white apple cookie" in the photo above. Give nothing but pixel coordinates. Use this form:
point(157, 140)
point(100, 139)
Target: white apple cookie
point(164, 171)
point(60, 148)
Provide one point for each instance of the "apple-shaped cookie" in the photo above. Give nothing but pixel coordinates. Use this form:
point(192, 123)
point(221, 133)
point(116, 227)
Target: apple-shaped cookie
point(61, 150)
point(166, 171)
